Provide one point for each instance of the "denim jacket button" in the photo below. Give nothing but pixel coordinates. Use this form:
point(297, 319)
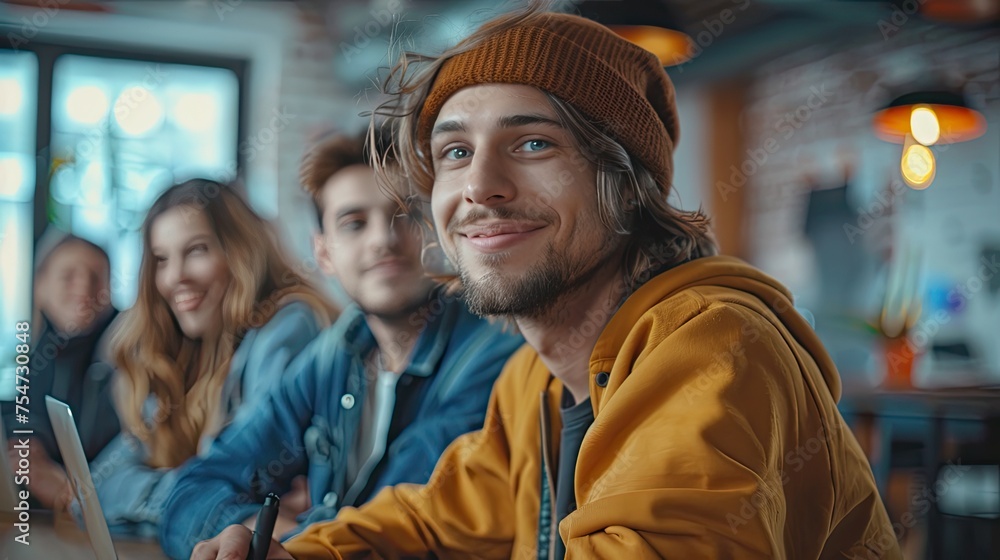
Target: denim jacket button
point(330, 500)
point(347, 401)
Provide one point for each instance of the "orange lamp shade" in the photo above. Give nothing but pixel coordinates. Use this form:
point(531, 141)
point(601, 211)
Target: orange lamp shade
point(961, 11)
point(958, 122)
point(670, 46)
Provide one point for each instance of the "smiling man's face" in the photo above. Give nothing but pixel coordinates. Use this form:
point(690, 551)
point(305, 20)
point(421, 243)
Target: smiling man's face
point(515, 202)
point(370, 246)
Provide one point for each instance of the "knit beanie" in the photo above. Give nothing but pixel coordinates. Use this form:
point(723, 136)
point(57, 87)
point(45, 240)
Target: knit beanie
point(621, 87)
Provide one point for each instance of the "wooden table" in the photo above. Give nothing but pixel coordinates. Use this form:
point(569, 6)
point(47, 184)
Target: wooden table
point(934, 418)
point(61, 539)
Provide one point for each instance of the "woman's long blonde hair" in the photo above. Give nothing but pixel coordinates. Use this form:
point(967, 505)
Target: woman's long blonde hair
point(153, 355)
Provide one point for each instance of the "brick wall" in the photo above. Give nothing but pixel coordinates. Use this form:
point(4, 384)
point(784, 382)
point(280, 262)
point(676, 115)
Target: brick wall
point(310, 91)
point(808, 122)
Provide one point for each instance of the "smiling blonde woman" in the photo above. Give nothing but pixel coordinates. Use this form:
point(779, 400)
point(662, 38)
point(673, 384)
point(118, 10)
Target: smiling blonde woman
point(218, 316)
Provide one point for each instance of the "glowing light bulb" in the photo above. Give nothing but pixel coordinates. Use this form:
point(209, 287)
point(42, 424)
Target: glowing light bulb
point(924, 125)
point(918, 166)
point(196, 111)
point(11, 178)
point(11, 96)
point(87, 104)
point(138, 111)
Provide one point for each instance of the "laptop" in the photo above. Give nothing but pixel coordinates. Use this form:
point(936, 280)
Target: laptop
point(78, 471)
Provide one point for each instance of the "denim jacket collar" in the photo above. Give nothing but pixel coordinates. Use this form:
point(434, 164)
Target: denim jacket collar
point(437, 320)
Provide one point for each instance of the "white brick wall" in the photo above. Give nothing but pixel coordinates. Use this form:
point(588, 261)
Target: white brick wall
point(949, 221)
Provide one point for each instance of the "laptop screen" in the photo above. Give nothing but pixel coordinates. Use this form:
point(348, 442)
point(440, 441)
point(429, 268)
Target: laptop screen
point(78, 472)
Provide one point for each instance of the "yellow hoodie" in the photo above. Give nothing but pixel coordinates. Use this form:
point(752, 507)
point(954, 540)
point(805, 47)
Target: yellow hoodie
point(716, 435)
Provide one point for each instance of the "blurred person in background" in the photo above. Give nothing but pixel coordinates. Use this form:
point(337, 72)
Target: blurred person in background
point(376, 398)
point(218, 316)
point(72, 312)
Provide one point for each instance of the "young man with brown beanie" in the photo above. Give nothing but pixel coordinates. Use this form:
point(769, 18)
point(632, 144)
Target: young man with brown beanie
point(672, 403)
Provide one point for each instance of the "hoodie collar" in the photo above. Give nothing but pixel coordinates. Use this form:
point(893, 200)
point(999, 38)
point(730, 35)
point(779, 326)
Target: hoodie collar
point(720, 271)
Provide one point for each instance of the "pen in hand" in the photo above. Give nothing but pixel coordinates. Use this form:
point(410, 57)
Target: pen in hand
point(261, 541)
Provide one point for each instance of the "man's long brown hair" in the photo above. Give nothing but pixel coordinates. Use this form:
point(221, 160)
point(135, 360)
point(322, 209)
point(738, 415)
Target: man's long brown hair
point(151, 352)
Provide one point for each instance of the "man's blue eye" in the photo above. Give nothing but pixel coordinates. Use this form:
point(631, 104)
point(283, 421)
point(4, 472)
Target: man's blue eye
point(458, 153)
point(535, 145)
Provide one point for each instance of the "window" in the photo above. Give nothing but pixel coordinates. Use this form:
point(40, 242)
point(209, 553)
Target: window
point(122, 132)
point(18, 83)
point(90, 137)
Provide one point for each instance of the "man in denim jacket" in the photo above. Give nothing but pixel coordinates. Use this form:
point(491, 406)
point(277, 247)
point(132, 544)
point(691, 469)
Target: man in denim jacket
point(375, 399)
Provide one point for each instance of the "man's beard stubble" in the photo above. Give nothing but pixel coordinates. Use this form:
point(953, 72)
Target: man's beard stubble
point(536, 293)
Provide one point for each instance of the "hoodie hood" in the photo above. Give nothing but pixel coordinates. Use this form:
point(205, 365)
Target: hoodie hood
point(742, 283)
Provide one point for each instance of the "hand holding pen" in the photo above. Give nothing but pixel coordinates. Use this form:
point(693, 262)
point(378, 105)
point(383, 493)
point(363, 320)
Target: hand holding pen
point(234, 542)
point(261, 540)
